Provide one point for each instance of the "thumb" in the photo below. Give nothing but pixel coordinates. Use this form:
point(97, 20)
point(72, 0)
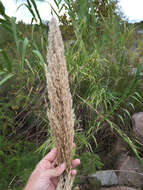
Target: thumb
point(55, 172)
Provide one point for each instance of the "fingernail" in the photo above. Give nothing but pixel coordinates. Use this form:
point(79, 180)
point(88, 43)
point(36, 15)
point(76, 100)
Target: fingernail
point(63, 166)
point(78, 160)
point(74, 172)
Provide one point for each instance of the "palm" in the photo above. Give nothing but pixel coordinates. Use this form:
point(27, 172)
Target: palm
point(44, 177)
point(52, 182)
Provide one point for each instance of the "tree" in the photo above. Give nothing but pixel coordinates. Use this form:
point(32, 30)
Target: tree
point(101, 8)
point(87, 12)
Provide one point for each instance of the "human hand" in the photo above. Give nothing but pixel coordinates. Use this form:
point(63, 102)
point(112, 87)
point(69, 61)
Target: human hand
point(45, 176)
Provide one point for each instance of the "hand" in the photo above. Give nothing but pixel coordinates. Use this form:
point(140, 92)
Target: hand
point(45, 176)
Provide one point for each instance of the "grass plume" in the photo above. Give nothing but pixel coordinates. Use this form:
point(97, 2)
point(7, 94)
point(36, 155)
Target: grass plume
point(61, 115)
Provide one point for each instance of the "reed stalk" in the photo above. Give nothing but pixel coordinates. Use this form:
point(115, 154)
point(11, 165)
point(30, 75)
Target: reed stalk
point(60, 114)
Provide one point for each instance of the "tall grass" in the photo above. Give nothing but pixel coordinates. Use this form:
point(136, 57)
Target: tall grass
point(99, 67)
point(21, 78)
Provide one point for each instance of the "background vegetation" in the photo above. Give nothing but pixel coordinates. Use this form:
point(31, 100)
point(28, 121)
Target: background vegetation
point(104, 61)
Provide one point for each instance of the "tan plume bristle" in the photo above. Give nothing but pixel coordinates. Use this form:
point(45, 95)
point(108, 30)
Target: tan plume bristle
point(61, 115)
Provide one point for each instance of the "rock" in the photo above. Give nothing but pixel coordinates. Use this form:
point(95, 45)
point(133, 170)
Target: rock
point(118, 188)
point(106, 177)
point(130, 171)
point(139, 31)
point(137, 122)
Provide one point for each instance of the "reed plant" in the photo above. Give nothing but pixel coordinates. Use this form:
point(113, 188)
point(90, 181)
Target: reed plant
point(99, 68)
point(61, 114)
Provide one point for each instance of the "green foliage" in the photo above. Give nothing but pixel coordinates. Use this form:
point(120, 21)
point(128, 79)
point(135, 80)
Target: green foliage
point(21, 76)
point(2, 9)
point(16, 163)
point(91, 163)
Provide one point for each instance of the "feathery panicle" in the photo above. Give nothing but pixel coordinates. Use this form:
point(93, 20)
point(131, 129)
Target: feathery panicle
point(61, 115)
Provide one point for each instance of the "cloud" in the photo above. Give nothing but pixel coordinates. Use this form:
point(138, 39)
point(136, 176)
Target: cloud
point(133, 9)
point(10, 7)
point(23, 13)
point(11, 10)
point(45, 10)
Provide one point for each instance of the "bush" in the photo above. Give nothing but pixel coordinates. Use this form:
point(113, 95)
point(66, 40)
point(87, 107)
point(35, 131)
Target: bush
point(17, 161)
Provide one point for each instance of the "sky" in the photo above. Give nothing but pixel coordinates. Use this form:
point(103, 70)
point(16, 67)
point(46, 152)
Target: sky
point(133, 9)
point(22, 13)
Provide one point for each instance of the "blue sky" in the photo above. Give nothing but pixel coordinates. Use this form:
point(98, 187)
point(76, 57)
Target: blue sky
point(133, 9)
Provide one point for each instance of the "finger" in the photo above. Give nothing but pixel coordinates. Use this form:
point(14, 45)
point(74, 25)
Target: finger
point(75, 163)
point(73, 172)
point(73, 145)
point(55, 172)
point(51, 155)
point(44, 164)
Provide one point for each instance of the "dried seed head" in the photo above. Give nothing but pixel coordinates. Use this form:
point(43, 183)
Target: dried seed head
point(61, 115)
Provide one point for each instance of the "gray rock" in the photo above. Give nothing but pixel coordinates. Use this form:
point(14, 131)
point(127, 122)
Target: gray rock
point(130, 171)
point(118, 188)
point(106, 177)
point(140, 31)
point(137, 122)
